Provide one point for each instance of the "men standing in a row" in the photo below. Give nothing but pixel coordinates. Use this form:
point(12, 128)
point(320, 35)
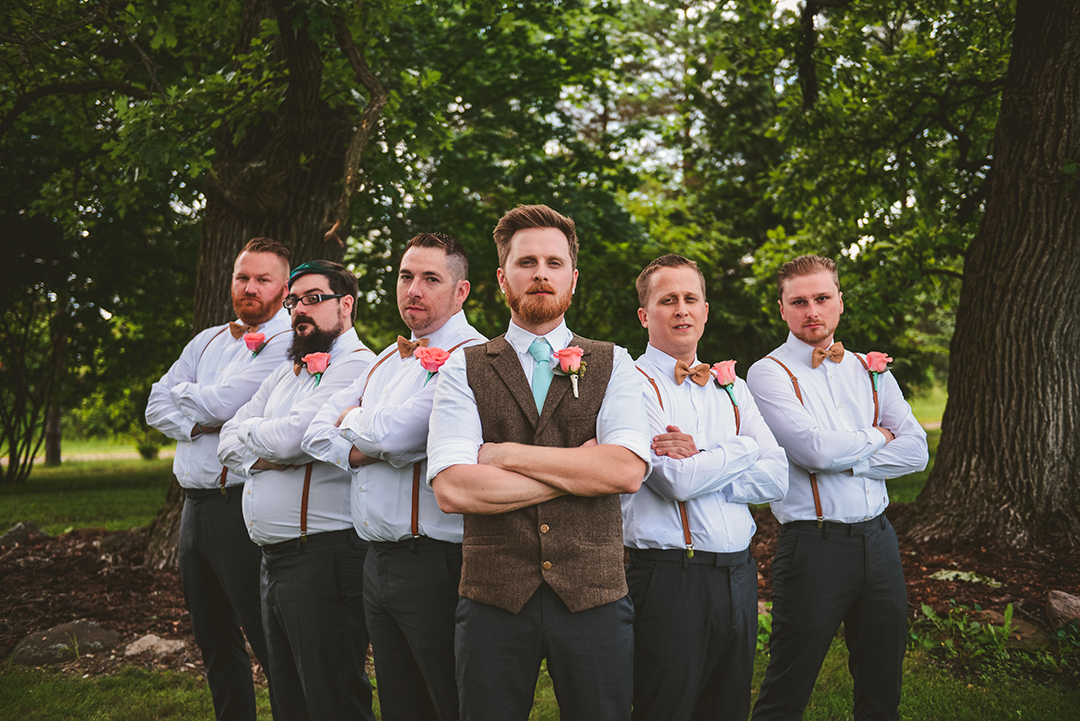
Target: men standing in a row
point(846, 429)
point(219, 565)
point(413, 565)
point(691, 575)
point(297, 508)
point(536, 461)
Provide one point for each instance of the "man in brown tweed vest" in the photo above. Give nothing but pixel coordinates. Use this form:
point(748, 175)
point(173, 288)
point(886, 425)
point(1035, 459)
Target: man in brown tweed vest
point(535, 452)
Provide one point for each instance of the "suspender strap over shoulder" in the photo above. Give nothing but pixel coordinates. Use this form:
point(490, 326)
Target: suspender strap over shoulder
point(684, 517)
point(813, 476)
point(414, 522)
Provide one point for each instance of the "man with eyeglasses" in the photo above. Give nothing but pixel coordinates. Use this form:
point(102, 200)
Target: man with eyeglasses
point(297, 508)
point(219, 565)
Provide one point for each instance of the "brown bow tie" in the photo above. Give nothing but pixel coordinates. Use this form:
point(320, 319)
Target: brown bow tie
point(239, 329)
point(406, 347)
point(835, 353)
point(699, 373)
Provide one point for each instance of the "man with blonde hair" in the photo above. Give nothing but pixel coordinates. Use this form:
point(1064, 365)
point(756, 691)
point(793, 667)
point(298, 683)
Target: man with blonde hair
point(847, 430)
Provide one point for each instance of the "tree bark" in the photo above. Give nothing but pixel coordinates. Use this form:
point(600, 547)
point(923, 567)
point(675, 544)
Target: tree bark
point(281, 181)
point(1007, 465)
point(290, 179)
point(52, 435)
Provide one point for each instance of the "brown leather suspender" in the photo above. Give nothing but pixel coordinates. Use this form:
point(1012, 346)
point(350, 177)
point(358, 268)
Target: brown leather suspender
point(798, 394)
point(304, 500)
point(683, 515)
point(414, 524)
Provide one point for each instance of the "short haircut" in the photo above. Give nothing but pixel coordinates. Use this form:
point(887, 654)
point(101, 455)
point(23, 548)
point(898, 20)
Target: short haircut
point(664, 261)
point(340, 278)
point(805, 265)
point(457, 261)
point(267, 245)
point(525, 217)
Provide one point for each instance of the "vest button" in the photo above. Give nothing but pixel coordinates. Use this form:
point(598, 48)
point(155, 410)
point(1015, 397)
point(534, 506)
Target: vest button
point(547, 565)
point(544, 528)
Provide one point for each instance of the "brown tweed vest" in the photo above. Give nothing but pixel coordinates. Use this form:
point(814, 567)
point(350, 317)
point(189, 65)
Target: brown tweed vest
point(573, 544)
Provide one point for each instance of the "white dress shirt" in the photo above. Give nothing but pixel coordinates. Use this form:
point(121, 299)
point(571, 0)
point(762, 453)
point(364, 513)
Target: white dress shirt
point(392, 426)
point(271, 427)
point(833, 434)
point(717, 483)
point(214, 376)
point(455, 434)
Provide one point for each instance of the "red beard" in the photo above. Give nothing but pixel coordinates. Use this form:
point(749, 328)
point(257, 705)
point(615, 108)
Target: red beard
point(538, 309)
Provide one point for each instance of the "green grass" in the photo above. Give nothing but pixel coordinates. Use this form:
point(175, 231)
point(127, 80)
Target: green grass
point(116, 495)
point(930, 694)
point(929, 406)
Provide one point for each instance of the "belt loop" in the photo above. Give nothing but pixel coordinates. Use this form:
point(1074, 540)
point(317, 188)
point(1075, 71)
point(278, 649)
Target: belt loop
point(300, 544)
point(881, 520)
point(825, 530)
point(686, 561)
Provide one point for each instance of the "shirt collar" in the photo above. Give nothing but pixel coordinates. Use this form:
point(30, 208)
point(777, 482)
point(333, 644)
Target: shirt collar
point(344, 342)
point(281, 320)
point(520, 339)
point(803, 352)
point(664, 363)
point(447, 332)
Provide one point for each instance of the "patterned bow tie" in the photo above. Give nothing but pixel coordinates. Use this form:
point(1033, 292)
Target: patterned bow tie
point(406, 347)
point(699, 373)
point(238, 329)
point(835, 353)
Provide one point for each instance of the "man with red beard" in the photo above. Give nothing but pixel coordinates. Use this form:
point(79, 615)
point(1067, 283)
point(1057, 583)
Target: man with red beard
point(536, 462)
point(296, 508)
point(217, 373)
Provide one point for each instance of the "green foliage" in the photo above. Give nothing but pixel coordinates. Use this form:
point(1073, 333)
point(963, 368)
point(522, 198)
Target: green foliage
point(974, 648)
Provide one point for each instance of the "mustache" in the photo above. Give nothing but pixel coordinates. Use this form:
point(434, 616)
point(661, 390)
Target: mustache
point(540, 287)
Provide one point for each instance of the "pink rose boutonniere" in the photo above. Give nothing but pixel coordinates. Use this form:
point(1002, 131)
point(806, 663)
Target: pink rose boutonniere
point(878, 363)
point(254, 342)
point(570, 364)
point(431, 359)
point(316, 364)
point(724, 372)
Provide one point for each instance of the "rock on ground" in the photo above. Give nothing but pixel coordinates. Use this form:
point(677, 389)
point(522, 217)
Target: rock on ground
point(155, 645)
point(65, 642)
point(21, 533)
point(1061, 608)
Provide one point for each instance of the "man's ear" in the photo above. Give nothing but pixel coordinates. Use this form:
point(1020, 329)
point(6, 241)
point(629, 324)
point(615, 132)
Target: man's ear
point(643, 317)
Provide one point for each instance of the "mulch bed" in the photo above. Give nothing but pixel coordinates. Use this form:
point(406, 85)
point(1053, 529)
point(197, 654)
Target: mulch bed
point(100, 576)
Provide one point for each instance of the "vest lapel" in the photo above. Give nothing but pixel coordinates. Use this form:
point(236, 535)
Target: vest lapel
point(505, 362)
point(560, 386)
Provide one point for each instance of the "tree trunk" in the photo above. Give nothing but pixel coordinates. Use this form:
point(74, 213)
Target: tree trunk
point(52, 436)
point(1007, 465)
point(282, 181)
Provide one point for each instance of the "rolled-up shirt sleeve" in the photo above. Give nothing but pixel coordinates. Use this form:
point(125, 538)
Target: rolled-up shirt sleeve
point(454, 430)
point(622, 420)
point(323, 440)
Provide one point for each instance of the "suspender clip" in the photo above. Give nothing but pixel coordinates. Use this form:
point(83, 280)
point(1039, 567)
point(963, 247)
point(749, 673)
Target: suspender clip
point(690, 550)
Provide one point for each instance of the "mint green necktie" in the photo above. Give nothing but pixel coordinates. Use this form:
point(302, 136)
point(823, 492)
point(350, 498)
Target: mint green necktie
point(542, 374)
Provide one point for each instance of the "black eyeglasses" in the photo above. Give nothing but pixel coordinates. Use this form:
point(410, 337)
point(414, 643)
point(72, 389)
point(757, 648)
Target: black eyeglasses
point(292, 301)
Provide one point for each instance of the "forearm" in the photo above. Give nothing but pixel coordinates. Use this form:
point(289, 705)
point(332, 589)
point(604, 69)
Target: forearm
point(704, 473)
point(596, 470)
point(487, 490)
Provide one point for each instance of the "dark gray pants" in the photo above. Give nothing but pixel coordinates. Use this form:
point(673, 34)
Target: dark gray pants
point(822, 577)
point(313, 613)
point(590, 656)
point(219, 569)
point(410, 597)
point(695, 629)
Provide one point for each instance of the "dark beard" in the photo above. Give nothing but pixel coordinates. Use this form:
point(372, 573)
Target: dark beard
point(316, 341)
point(538, 310)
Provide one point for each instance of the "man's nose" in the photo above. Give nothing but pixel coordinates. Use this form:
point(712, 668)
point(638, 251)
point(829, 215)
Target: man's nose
point(416, 289)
